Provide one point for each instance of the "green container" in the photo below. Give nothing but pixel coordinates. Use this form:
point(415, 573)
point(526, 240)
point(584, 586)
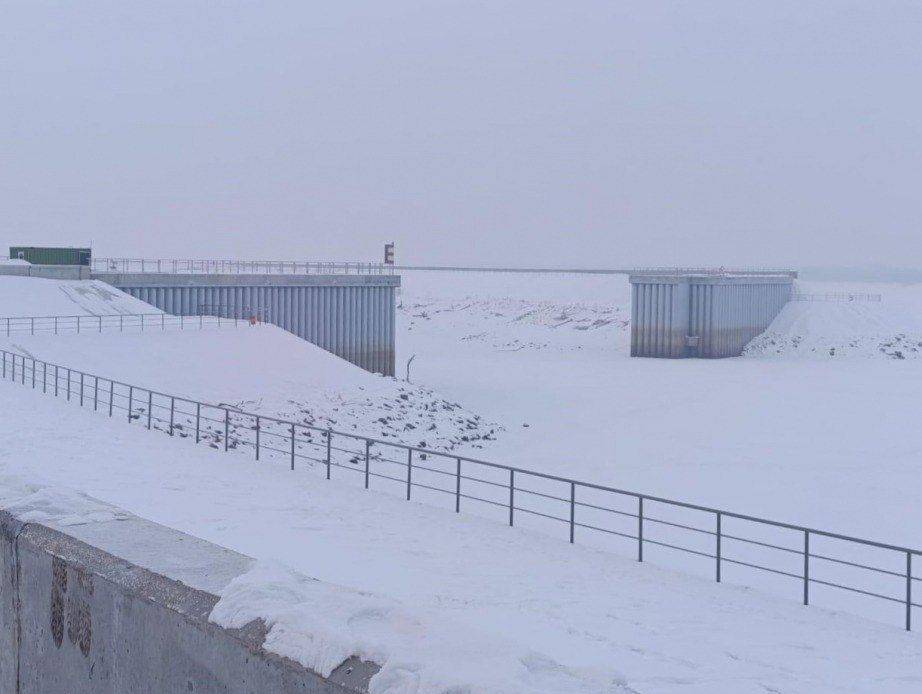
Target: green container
point(51, 256)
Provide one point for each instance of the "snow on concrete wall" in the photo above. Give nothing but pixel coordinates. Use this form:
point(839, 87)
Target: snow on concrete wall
point(75, 618)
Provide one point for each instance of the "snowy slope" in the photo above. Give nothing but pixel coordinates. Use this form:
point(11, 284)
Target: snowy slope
point(512, 312)
point(528, 613)
point(888, 329)
point(35, 296)
point(269, 371)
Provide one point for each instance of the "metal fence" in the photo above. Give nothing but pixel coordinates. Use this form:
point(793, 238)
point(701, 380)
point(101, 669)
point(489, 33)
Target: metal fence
point(305, 267)
point(56, 325)
point(814, 560)
point(237, 267)
point(636, 270)
point(837, 297)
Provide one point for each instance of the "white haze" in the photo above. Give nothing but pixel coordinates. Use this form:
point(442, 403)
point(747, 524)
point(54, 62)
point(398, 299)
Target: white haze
point(518, 132)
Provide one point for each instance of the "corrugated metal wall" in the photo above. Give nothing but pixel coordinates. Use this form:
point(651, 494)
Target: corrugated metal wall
point(353, 322)
point(701, 316)
point(659, 319)
point(725, 317)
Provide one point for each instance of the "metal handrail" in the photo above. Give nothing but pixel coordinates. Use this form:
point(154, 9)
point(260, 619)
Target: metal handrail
point(10, 325)
point(230, 266)
point(232, 426)
point(211, 266)
point(626, 270)
point(836, 297)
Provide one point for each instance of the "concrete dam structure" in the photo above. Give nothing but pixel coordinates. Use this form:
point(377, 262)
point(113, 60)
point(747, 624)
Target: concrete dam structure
point(709, 316)
point(122, 605)
point(350, 312)
point(352, 316)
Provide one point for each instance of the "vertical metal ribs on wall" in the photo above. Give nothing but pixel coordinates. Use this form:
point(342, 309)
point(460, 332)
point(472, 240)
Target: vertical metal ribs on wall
point(675, 316)
point(354, 320)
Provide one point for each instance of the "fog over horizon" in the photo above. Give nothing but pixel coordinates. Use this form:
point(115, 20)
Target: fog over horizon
point(594, 133)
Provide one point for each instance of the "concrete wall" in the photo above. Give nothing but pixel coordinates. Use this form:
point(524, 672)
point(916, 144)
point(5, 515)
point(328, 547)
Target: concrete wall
point(78, 619)
point(707, 316)
point(350, 316)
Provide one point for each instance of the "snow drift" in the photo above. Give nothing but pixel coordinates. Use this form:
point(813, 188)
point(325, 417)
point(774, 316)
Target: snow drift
point(889, 329)
point(34, 296)
point(266, 370)
point(321, 625)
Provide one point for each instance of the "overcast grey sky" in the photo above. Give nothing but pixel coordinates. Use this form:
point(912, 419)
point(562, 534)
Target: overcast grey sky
point(571, 132)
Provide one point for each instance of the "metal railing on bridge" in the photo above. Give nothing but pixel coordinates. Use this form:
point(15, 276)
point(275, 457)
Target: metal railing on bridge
point(837, 297)
point(306, 267)
point(811, 558)
point(236, 267)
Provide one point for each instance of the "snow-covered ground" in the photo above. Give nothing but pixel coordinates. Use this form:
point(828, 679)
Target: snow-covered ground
point(34, 296)
point(266, 370)
point(501, 609)
point(541, 367)
point(511, 313)
point(853, 324)
point(832, 442)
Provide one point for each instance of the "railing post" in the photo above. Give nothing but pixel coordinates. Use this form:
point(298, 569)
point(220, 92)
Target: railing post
point(226, 427)
point(57, 378)
point(121, 323)
point(292, 446)
point(150, 406)
point(81, 389)
point(33, 373)
point(511, 497)
point(44, 375)
point(95, 393)
point(908, 591)
point(68, 384)
point(100, 324)
point(329, 448)
point(130, 398)
point(409, 471)
point(257, 437)
point(172, 411)
point(572, 512)
point(458, 488)
point(111, 395)
point(367, 456)
point(32, 326)
point(639, 528)
point(718, 545)
point(78, 325)
point(198, 419)
point(55, 325)
point(806, 567)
